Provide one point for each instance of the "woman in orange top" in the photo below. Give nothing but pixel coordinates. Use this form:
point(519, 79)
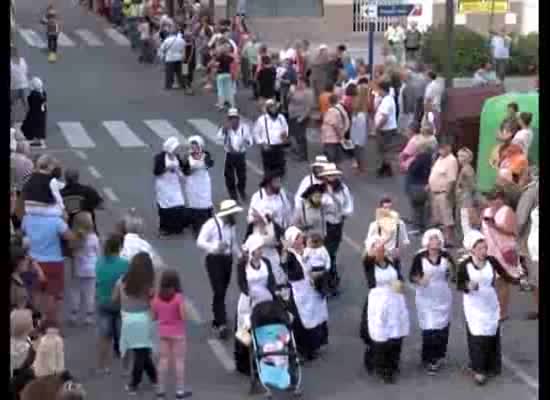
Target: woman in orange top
point(512, 162)
point(324, 99)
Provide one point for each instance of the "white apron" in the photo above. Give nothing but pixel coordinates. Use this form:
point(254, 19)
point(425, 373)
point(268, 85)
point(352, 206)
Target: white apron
point(168, 187)
point(258, 292)
point(271, 253)
point(481, 307)
point(434, 302)
point(388, 317)
point(312, 307)
point(198, 187)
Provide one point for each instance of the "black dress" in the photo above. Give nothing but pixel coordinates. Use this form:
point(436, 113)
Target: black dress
point(34, 125)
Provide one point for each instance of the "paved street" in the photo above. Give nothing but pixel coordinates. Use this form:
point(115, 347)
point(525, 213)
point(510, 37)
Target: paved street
point(108, 115)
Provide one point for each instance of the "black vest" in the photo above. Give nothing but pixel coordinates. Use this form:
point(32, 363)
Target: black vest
point(38, 189)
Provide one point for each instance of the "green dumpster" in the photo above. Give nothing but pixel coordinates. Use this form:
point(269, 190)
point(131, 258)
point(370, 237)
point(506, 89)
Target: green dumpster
point(492, 114)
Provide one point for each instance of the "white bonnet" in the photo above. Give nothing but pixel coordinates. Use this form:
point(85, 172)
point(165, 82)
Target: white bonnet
point(196, 139)
point(472, 238)
point(171, 144)
point(291, 234)
point(430, 233)
point(253, 243)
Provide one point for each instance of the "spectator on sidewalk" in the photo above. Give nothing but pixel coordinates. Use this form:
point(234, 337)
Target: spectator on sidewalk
point(320, 71)
point(171, 53)
point(485, 75)
point(145, 29)
point(500, 49)
point(78, 197)
point(19, 80)
point(335, 124)
point(225, 86)
point(413, 42)
point(300, 106)
point(395, 36)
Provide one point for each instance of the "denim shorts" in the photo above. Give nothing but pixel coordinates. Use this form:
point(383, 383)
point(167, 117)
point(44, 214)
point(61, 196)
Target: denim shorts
point(108, 320)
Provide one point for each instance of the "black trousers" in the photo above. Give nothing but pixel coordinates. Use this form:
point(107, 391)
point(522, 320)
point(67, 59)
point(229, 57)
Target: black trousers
point(196, 217)
point(219, 273)
point(172, 71)
point(298, 131)
point(384, 356)
point(333, 152)
point(52, 43)
point(143, 361)
point(273, 159)
point(333, 239)
point(419, 202)
point(485, 353)
point(434, 345)
point(234, 172)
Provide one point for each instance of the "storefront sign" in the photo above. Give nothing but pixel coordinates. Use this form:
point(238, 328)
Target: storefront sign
point(400, 10)
point(483, 6)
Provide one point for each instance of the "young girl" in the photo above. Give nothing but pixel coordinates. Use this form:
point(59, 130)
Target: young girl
point(86, 253)
point(168, 309)
point(465, 190)
point(317, 261)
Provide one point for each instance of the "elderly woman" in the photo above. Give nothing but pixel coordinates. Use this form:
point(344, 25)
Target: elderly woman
point(430, 273)
point(385, 316)
point(476, 277)
point(167, 170)
point(308, 305)
point(132, 228)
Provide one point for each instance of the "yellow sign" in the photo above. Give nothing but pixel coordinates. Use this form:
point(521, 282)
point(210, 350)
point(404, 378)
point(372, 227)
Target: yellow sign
point(483, 6)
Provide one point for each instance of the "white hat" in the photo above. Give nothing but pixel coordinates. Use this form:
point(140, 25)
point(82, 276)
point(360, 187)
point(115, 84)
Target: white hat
point(171, 144)
point(291, 234)
point(320, 161)
point(233, 112)
point(228, 207)
point(254, 242)
point(330, 170)
point(430, 233)
point(472, 238)
point(270, 102)
point(196, 139)
point(323, 47)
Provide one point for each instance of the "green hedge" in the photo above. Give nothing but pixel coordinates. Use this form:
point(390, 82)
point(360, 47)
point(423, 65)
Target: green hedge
point(472, 48)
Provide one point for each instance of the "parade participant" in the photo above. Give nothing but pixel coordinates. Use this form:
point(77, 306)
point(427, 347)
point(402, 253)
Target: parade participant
point(317, 261)
point(310, 179)
point(499, 227)
point(237, 139)
point(309, 306)
point(430, 272)
point(310, 213)
point(133, 292)
point(391, 228)
point(441, 183)
point(168, 171)
point(198, 186)
point(168, 307)
point(339, 206)
point(385, 125)
point(257, 284)
point(218, 238)
point(385, 320)
point(272, 198)
point(476, 278)
point(271, 132)
point(465, 189)
point(171, 52)
point(34, 125)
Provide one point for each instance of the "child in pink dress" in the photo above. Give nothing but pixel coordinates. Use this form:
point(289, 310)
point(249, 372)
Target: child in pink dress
point(168, 309)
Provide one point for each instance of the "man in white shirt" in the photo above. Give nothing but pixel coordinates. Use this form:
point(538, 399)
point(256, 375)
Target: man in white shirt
point(385, 123)
point(218, 238)
point(434, 90)
point(524, 137)
point(19, 83)
point(272, 198)
point(171, 52)
point(237, 139)
point(271, 132)
point(500, 48)
point(310, 179)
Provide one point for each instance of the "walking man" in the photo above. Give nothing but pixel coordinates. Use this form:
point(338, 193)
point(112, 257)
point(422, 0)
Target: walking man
point(500, 48)
point(171, 52)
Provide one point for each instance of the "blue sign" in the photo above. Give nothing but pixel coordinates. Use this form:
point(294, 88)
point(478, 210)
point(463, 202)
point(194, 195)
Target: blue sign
point(396, 10)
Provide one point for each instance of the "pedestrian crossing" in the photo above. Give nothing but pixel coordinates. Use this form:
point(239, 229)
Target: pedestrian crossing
point(77, 38)
point(129, 135)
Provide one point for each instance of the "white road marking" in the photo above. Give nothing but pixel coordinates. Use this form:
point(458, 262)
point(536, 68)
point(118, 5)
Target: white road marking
point(89, 38)
point(222, 355)
point(65, 41)
point(76, 135)
point(207, 130)
point(193, 312)
point(110, 194)
point(117, 37)
point(32, 38)
point(123, 135)
point(80, 154)
point(94, 172)
point(257, 170)
point(165, 129)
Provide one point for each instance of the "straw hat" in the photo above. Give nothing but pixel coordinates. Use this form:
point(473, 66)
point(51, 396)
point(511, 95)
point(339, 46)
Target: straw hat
point(233, 112)
point(320, 161)
point(330, 170)
point(228, 207)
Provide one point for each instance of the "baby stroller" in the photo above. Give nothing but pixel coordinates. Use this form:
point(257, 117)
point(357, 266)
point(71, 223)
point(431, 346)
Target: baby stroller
point(274, 361)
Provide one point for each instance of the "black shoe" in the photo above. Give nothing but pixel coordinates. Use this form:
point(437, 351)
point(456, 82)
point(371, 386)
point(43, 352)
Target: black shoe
point(223, 332)
point(244, 196)
point(388, 379)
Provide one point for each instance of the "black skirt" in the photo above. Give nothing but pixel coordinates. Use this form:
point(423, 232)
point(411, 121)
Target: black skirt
point(308, 341)
point(172, 220)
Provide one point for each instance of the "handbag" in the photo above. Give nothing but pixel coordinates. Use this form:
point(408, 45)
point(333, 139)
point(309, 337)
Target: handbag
point(185, 69)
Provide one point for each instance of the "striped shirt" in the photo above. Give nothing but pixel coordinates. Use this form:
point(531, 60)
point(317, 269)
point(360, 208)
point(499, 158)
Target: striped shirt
point(23, 168)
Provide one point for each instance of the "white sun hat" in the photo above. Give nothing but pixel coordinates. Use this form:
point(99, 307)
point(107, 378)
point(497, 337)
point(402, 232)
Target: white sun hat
point(228, 207)
point(330, 170)
point(320, 161)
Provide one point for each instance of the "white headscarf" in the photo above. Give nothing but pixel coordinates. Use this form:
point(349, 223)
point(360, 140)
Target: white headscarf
point(472, 238)
point(430, 233)
point(291, 234)
point(171, 144)
point(197, 140)
point(36, 84)
point(253, 243)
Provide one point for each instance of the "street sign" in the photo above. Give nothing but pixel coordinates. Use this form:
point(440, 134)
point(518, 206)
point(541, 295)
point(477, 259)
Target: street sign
point(483, 6)
point(400, 10)
point(369, 11)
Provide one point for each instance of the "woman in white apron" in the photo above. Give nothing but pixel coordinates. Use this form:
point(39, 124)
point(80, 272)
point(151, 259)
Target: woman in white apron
point(198, 186)
point(257, 284)
point(167, 170)
point(385, 314)
point(476, 277)
point(430, 273)
point(308, 305)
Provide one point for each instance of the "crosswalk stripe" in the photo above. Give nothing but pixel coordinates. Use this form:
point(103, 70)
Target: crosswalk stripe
point(165, 129)
point(32, 38)
point(76, 135)
point(65, 41)
point(117, 37)
point(89, 37)
point(122, 133)
point(207, 129)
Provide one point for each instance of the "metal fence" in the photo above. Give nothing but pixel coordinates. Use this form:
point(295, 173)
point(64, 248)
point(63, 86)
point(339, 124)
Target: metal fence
point(361, 23)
